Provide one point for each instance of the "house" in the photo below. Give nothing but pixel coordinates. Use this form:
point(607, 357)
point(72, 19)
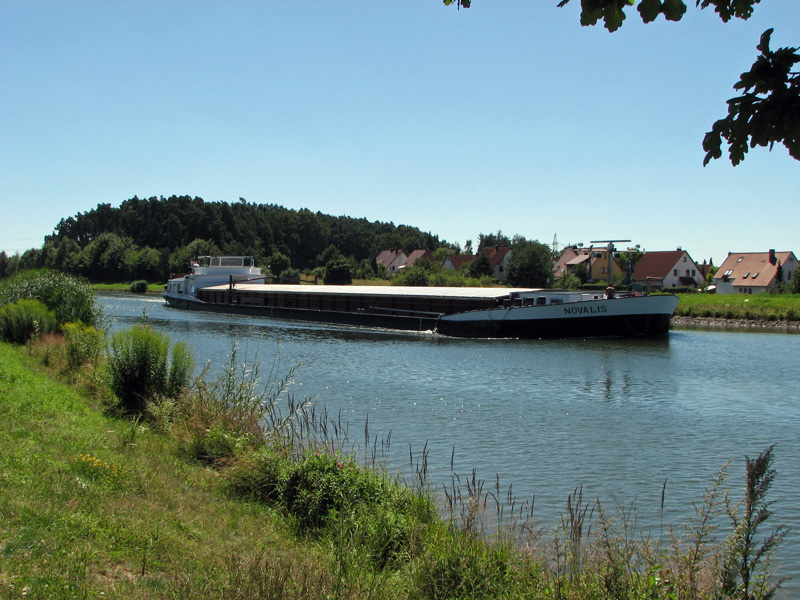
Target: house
point(416, 255)
point(595, 260)
point(753, 272)
point(392, 259)
point(668, 269)
point(499, 256)
point(454, 262)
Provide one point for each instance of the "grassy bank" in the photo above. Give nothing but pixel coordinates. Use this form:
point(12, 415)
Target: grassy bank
point(760, 307)
point(152, 288)
point(95, 506)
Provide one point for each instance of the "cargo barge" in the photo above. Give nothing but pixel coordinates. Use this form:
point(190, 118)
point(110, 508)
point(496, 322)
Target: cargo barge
point(234, 285)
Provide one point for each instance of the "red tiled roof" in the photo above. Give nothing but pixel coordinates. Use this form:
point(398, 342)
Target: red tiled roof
point(657, 264)
point(416, 255)
point(496, 253)
point(387, 257)
point(752, 269)
point(459, 260)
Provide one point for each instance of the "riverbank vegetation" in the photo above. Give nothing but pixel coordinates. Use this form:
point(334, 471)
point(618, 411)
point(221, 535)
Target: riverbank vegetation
point(759, 307)
point(232, 487)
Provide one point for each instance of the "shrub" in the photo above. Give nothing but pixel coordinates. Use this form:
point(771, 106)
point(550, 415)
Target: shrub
point(82, 344)
point(70, 298)
point(330, 494)
point(139, 368)
point(412, 276)
point(24, 320)
point(139, 286)
point(338, 272)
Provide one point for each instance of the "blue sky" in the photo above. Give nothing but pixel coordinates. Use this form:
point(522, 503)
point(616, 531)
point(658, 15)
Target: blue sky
point(507, 116)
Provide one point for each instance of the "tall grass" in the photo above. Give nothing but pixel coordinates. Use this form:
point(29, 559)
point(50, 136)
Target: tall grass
point(141, 368)
point(82, 344)
point(24, 320)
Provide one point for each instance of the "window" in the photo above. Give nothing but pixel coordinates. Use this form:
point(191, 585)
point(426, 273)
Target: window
point(746, 275)
point(756, 274)
point(694, 273)
point(684, 259)
point(741, 258)
point(675, 272)
point(687, 272)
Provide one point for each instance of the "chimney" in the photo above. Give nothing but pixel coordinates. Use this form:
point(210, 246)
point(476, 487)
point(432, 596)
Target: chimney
point(772, 259)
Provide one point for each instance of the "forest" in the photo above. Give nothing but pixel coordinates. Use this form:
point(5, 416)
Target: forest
point(152, 238)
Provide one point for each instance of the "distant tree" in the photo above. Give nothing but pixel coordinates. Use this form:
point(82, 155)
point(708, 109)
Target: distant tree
point(581, 271)
point(12, 267)
point(492, 239)
point(328, 254)
point(180, 257)
point(338, 272)
point(793, 285)
point(3, 264)
point(31, 259)
point(530, 265)
point(441, 254)
point(64, 256)
point(468, 247)
point(364, 269)
point(479, 267)
point(768, 111)
point(278, 263)
point(779, 273)
point(147, 264)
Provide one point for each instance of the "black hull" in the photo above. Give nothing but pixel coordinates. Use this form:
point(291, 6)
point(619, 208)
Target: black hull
point(627, 326)
point(647, 326)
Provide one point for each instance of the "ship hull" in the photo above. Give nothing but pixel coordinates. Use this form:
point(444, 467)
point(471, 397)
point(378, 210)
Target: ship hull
point(641, 316)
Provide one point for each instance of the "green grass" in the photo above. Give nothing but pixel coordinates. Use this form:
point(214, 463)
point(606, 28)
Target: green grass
point(152, 288)
point(760, 307)
point(95, 506)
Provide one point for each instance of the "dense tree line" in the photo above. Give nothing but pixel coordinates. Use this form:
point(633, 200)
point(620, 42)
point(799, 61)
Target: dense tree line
point(152, 238)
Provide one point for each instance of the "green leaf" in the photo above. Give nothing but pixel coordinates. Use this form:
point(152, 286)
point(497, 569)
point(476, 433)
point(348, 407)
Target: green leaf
point(674, 9)
point(649, 9)
point(613, 16)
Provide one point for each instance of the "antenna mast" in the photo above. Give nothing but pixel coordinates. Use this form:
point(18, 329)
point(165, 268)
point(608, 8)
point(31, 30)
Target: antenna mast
point(610, 248)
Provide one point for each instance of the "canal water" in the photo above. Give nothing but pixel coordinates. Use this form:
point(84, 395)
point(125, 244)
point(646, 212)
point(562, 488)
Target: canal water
point(617, 417)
